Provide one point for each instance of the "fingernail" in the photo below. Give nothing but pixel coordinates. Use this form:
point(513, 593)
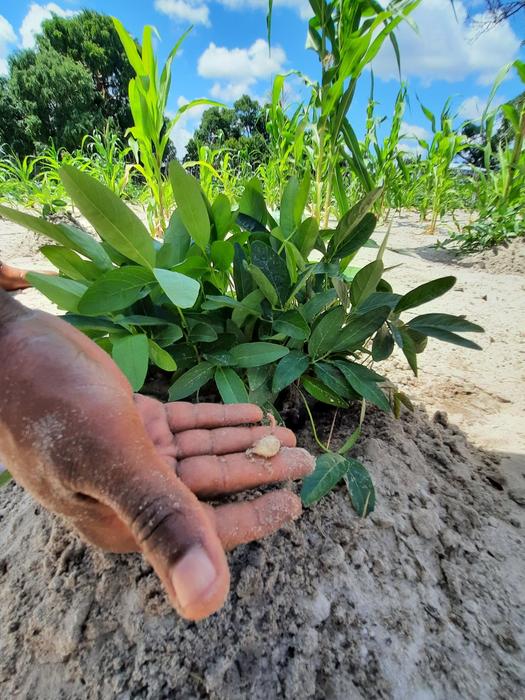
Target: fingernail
point(192, 576)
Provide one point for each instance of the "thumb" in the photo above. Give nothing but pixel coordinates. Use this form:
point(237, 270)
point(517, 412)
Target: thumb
point(175, 534)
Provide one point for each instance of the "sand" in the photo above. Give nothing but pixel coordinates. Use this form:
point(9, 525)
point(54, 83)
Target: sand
point(422, 600)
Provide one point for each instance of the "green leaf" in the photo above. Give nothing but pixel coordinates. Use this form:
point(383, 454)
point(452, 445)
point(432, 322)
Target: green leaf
point(191, 381)
point(301, 200)
point(319, 390)
point(160, 357)
point(288, 369)
point(90, 323)
point(356, 238)
point(264, 284)
point(348, 224)
point(446, 336)
point(287, 218)
point(190, 203)
point(250, 306)
point(445, 322)
point(65, 293)
point(360, 487)
point(168, 335)
point(350, 441)
point(222, 255)
point(255, 354)
point(326, 332)
point(252, 202)
point(176, 243)
point(332, 377)
point(317, 303)
point(222, 215)
point(329, 469)
point(241, 276)
point(365, 282)
point(291, 323)
point(273, 267)
point(377, 299)
point(131, 354)
point(111, 218)
point(70, 263)
point(257, 376)
point(383, 344)
point(364, 382)
point(359, 328)
point(424, 293)
point(5, 477)
point(203, 333)
point(230, 386)
point(306, 235)
point(115, 290)
point(180, 289)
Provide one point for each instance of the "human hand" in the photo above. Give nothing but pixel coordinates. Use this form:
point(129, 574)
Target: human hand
point(127, 471)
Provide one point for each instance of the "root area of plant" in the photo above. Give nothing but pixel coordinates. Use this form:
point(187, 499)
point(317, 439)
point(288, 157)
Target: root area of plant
point(424, 599)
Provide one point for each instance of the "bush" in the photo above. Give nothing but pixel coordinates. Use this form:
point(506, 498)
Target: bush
point(231, 298)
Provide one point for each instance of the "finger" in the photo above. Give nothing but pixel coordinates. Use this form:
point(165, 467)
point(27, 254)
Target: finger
point(212, 475)
point(220, 441)
point(170, 526)
point(238, 523)
point(186, 416)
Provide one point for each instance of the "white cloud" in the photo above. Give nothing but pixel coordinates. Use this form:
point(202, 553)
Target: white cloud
point(194, 11)
point(448, 47)
point(7, 37)
point(229, 92)
point(188, 122)
point(413, 131)
point(236, 71)
point(32, 22)
point(410, 148)
point(472, 108)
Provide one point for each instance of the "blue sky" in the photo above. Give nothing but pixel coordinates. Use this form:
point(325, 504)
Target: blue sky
point(226, 54)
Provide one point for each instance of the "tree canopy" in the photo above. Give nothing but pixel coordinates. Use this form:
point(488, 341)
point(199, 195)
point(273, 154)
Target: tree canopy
point(71, 83)
point(240, 129)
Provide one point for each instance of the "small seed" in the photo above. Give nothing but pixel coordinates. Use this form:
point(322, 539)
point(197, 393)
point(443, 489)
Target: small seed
point(267, 446)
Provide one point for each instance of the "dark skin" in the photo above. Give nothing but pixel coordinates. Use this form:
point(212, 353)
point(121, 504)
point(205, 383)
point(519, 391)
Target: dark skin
point(12, 278)
point(129, 472)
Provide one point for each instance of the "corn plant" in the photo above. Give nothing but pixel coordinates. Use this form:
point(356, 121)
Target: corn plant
point(150, 133)
point(437, 179)
point(229, 302)
point(383, 159)
point(499, 185)
point(346, 36)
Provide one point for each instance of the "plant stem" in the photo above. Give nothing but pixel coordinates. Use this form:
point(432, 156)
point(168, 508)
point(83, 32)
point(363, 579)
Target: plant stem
point(312, 422)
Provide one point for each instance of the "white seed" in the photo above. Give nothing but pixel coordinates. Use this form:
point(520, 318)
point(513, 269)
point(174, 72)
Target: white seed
point(267, 446)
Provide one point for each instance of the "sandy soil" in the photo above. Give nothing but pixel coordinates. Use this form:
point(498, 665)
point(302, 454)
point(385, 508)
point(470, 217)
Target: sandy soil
point(423, 600)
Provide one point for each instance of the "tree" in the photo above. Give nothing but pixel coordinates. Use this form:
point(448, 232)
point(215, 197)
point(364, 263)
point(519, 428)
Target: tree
point(71, 83)
point(240, 129)
point(91, 40)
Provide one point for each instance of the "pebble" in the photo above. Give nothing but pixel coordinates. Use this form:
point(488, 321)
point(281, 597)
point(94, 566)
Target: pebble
point(317, 609)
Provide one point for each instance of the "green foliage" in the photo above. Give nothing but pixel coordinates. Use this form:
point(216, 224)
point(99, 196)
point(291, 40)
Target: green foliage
point(499, 183)
point(37, 103)
point(252, 324)
point(239, 131)
point(150, 133)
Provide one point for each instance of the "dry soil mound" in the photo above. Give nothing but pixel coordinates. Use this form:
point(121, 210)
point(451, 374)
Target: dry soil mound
point(505, 259)
point(423, 600)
